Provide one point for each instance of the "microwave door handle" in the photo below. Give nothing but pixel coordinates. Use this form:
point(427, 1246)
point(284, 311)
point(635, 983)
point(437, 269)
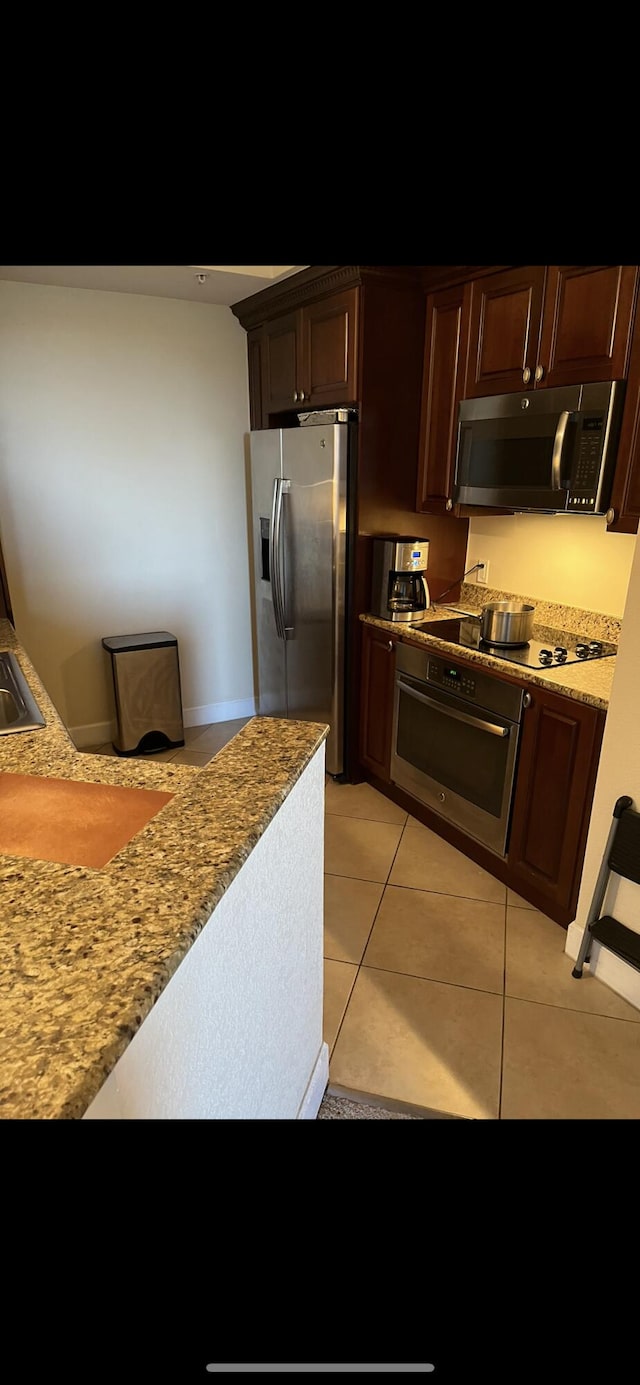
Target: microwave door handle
point(556, 456)
point(450, 712)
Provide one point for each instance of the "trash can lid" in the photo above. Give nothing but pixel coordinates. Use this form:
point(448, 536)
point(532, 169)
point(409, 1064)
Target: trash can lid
point(155, 640)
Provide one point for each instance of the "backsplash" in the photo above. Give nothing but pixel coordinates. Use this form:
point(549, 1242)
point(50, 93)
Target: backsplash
point(569, 559)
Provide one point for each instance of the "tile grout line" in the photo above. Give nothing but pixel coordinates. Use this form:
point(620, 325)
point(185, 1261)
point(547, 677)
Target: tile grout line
point(419, 889)
point(359, 965)
point(435, 980)
point(569, 1009)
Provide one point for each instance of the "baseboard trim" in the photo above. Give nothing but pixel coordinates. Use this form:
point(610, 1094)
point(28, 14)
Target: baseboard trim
point(99, 732)
point(310, 1104)
point(219, 711)
point(615, 973)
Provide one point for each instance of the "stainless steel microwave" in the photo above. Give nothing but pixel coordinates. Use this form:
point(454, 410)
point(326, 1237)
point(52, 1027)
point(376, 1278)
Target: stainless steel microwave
point(551, 451)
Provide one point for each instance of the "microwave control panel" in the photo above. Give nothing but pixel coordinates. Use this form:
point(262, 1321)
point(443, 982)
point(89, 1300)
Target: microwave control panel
point(585, 473)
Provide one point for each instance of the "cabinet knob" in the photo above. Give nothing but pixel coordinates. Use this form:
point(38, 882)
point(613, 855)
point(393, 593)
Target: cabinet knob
point(449, 505)
point(526, 375)
point(539, 372)
point(526, 701)
point(610, 516)
point(390, 645)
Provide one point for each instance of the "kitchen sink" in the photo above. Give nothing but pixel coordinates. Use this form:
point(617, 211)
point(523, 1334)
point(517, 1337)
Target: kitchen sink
point(19, 710)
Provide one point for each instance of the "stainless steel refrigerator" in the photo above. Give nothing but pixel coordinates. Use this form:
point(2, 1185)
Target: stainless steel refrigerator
point(300, 501)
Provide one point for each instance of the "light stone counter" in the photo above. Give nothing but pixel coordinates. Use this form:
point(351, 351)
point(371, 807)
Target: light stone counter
point(85, 954)
point(588, 682)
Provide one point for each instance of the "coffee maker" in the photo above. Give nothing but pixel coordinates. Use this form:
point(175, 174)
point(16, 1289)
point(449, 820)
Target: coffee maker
point(399, 590)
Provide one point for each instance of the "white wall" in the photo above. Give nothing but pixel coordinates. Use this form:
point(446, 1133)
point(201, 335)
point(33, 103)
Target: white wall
point(618, 774)
point(568, 559)
point(122, 491)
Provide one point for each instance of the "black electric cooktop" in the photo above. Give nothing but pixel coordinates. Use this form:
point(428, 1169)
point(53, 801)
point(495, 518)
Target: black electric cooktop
point(557, 650)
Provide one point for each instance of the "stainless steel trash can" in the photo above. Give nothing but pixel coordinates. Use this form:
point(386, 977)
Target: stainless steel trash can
point(146, 684)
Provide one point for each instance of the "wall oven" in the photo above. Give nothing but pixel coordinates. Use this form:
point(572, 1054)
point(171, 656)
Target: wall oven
point(455, 742)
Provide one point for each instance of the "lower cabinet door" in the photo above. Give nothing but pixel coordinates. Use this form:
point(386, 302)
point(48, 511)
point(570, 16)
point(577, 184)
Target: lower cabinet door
point(559, 753)
point(376, 705)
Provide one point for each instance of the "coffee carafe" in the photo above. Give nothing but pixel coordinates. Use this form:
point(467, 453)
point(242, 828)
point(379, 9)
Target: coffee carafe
point(399, 590)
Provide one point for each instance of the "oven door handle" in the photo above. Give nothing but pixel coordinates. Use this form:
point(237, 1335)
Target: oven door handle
point(489, 726)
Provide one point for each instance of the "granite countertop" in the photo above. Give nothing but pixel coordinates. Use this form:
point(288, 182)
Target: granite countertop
point(588, 682)
point(86, 953)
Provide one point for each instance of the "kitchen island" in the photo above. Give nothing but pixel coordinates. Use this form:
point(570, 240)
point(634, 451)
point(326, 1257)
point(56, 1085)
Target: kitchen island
point(183, 979)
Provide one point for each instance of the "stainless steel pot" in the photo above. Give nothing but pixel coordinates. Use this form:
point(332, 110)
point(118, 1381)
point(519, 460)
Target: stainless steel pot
point(506, 622)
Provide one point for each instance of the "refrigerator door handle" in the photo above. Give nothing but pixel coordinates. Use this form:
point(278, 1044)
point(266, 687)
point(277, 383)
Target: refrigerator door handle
point(285, 488)
point(274, 556)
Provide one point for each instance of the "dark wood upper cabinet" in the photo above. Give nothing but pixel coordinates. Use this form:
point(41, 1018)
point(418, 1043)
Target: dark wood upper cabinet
point(538, 327)
point(280, 364)
point(586, 324)
point(505, 312)
point(445, 362)
point(329, 340)
point(310, 356)
point(625, 495)
point(446, 341)
point(558, 761)
point(255, 355)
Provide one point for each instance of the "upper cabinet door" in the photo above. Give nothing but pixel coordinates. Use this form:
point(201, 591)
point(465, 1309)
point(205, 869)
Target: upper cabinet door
point(281, 369)
point(586, 324)
point(504, 331)
point(443, 377)
point(310, 356)
point(329, 336)
point(538, 327)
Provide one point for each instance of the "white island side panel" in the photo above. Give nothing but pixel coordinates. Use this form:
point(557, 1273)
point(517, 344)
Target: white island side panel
point(237, 1032)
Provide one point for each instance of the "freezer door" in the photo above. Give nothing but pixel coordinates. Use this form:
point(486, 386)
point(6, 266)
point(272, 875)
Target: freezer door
point(314, 462)
point(265, 447)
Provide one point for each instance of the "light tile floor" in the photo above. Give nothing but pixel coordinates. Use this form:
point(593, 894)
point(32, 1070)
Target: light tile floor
point(445, 993)
point(449, 994)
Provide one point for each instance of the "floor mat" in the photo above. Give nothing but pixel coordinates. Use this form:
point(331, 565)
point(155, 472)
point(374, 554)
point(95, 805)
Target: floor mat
point(339, 1108)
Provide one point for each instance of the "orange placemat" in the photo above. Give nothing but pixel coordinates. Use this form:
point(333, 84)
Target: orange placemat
point(70, 821)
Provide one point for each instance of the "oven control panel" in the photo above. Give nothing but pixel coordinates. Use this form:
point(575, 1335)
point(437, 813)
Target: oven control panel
point(450, 680)
point(448, 676)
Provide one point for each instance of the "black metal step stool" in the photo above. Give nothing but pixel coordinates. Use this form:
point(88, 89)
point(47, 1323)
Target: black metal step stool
point(621, 857)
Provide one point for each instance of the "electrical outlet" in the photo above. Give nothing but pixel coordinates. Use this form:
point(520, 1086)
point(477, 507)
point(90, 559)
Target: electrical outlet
point(482, 574)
